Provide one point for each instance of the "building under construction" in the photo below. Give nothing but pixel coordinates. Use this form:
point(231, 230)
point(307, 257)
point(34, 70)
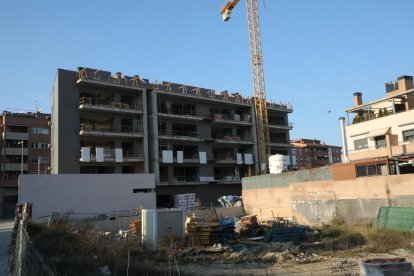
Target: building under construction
point(193, 139)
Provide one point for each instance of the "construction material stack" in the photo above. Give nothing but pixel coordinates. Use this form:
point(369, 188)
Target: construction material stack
point(185, 201)
point(135, 226)
point(202, 233)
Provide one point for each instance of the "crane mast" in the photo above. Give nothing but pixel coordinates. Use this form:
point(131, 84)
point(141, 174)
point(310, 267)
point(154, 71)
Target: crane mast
point(260, 107)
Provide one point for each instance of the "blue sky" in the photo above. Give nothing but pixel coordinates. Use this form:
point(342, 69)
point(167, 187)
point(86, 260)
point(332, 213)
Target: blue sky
point(316, 52)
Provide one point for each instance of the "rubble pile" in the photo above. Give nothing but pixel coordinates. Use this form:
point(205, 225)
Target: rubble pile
point(247, 226)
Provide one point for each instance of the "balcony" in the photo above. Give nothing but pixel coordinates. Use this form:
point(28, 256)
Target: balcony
point(279, 143)
point(16, 135)
point(181, 114)
point(93, 130)
point(182, 180)
point(8, 183)
point(398, 149)
point(222, 158)
point(235, 119)
point(181, 135)
point(15, 151)
point(109, 155)
point(280, 107)
point(13, 167)
point(280, 125)
point(89, 104)
point(230, 179)
point(246, 140)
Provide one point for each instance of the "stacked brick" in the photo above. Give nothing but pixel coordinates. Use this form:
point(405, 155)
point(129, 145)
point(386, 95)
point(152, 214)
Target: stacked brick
point(185, 201)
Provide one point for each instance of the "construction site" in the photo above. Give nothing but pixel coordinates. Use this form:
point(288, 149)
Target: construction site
point(162, 178)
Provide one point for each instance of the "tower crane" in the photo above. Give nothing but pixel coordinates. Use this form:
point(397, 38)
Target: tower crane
point(260, 107)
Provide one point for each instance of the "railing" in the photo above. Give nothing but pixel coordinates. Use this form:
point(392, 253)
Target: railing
point(187, 156)
point(233, 138)
point(109, 104)
point(110, 128)
point(180, 111)
point(228, 117)
point(109, 154)
point(224, 157)
point(180, 133)
point(227, 178)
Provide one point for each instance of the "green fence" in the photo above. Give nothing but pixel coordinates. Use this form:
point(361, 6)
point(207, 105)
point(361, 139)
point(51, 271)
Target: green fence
point(395, 218)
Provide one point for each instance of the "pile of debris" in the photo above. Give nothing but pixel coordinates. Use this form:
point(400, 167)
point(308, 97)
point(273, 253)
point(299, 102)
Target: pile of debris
point(231, 201)
point(247, 226)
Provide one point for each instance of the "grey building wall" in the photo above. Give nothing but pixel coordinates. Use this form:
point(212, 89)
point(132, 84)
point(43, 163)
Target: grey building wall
point(65, 123)
point(286, 178)
point(86, 193)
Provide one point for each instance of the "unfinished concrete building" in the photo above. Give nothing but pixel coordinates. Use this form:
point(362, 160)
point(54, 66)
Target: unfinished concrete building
point(193, 139)
point(98, 123)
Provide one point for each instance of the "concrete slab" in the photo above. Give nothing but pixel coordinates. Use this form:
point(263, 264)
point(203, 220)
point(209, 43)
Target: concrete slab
point(6, 229)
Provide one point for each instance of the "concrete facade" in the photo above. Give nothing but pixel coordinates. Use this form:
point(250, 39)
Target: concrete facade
point(322, 199)
point(86, 193)
point(98, 123)
point(193, 139)
point(23, 136)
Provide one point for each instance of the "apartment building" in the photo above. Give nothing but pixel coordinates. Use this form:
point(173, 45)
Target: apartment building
point(193, 139)
point(98, 123)
point(379, 135)
point(24, 146)
point(311, 153)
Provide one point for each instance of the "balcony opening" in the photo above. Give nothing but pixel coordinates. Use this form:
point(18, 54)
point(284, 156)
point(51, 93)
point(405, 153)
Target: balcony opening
point(131, 125)
point(225, 174)
point(278, 138)
point(183, 109)
point(17, 129)
point(277, 120)
point(184, 130)
point(219, 113)
point(223, 154)
point(189, 151)
point(222, 133)
point(185, 174)
point(163, 173)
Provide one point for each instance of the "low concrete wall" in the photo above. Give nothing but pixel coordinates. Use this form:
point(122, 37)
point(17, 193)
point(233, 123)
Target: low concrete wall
point(86, 193)
point(317, 202)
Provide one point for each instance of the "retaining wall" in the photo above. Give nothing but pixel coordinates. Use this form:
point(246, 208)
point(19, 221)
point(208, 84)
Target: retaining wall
point(319, 201)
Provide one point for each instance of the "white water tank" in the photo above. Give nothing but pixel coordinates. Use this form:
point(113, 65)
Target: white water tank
point(278, 163)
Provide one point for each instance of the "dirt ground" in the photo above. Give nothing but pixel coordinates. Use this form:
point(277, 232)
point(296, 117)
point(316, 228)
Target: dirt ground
point(328, 265)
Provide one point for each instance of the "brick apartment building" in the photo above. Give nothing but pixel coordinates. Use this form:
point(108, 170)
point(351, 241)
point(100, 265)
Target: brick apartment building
point(311, 153)
point(193, 139)
point(24, 147)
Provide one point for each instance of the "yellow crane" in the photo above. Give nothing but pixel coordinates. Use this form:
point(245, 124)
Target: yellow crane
point(260, 107)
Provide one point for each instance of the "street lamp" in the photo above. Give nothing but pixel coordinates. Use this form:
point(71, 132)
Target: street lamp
point(21, 165)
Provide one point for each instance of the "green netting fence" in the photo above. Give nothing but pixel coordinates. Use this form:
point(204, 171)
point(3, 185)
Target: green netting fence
point(395, 218)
